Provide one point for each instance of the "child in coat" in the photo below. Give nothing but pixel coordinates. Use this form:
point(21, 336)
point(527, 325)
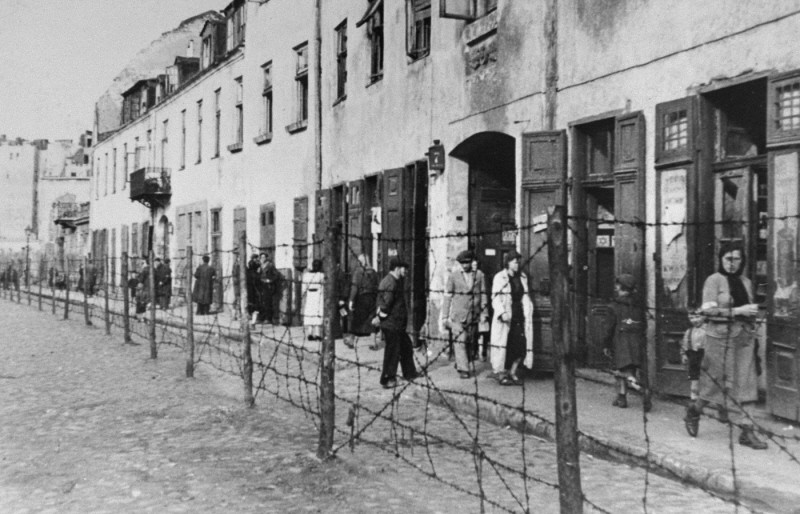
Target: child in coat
point(693, 351)
point(626, 339)
point(141, 300)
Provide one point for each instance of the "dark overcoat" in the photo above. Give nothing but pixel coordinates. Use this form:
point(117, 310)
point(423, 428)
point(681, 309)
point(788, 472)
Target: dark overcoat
point(203, 286)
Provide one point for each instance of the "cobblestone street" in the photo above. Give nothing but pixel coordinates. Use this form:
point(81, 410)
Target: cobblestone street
point(92, 425)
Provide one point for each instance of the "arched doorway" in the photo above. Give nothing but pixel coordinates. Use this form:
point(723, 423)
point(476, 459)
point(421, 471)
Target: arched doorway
point(491, 196)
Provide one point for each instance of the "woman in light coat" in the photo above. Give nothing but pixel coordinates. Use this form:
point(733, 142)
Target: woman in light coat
point(313, 300)
point(512, 322)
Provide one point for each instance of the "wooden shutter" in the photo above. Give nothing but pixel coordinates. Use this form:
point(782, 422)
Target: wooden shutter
point(300, 222)
point(395, 215)
point(357, 239)
point(457, 9)
point(266, 222)
point(629, 211)
point(322, 218)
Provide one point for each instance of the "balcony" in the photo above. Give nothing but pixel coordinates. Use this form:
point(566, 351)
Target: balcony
point(151, 187)
point(70, 215)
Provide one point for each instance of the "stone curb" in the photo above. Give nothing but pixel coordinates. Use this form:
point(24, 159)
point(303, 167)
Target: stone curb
point(620, 451)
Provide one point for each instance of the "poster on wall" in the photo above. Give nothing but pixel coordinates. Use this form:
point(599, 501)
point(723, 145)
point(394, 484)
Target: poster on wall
point(784, 226)
point(673, 236)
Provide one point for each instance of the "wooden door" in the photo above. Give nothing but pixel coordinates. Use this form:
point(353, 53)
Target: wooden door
point(266, 223)
point(492, 214)
point(300, 239)
point(395, 217)
point(357, 239)
point(322, 217)
point(240, 226)
point(544, 178)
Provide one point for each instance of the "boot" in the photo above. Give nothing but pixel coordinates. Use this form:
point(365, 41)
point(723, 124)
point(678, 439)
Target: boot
point(692, 420)
point(621, 401)
point(748, 438)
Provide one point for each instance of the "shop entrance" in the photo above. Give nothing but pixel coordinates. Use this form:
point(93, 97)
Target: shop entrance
point(492, 230)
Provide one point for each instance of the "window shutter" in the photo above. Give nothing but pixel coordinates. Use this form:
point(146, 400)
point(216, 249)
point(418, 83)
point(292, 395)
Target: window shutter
point(544, 157)
point(675, 131)
point(629, 181)
point(411, 30)
point(783, 109)
point(322, 218)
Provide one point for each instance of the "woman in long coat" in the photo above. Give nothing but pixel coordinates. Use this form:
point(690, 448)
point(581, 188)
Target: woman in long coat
point(362, 299)
point(512, 322)
point(203, 290)
point(313, 300)
point(728, 375)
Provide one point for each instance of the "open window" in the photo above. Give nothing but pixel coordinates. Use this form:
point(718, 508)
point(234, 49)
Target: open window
point(418, 29)
point(466, 9)
point(374, 20)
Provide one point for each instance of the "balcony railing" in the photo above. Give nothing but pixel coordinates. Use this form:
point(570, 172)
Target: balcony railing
point(151, 186)
point(72, 214)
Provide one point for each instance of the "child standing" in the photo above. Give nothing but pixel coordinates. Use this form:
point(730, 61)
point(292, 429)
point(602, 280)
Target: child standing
point(626, 339)
point(693, 351)
point(141, 300)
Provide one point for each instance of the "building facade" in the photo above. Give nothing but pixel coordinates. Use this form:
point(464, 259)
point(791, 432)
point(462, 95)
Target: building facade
point(454, 124)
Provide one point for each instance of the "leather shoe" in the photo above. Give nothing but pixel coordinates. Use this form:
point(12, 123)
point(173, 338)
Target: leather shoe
point(692, 421)
point(390, 384)
point(748, 438)
point(621, 402)
point(464, 374)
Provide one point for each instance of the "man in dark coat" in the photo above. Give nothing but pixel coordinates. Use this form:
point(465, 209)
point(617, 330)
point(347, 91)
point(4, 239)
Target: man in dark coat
point(269, 284)
point(163, 277)
point(252, 286)
point(90, 277)
point(392, 317)
point(203, 287)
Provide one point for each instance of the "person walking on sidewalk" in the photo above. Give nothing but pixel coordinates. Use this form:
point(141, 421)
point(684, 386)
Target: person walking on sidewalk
point(463, 306)
point(252, 287)
point(626, 339)
point(392, 317)
point(362, 302)
point(728, 375)
point(163, 278)
point(313, 300)
point(203, 287)
point(269, 280)
point(512, 323)
point(693, 351)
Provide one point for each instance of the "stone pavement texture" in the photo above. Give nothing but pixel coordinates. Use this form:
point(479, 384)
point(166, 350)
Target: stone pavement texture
point(104, 429)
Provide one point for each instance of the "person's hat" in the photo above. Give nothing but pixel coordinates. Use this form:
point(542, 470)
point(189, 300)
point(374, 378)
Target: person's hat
point(510, 256)
point(465, 256)
point(627, 281)
point(396, 262)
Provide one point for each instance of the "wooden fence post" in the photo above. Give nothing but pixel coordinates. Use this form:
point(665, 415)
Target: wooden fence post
point(327, 405)
point(247, 355)
point(106, 288)
point(569, 471)
point(126, 300)
point(151, 286)
point(52, 288)
point(66, 290)
point(189, 315)
point(85, 293)
point(41, 267)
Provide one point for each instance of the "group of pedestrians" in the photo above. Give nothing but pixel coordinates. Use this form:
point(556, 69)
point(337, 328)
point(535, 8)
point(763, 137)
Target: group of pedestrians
point(263, 282)
point(139, 286)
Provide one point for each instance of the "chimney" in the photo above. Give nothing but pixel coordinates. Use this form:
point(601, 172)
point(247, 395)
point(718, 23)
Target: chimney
point(190, 48)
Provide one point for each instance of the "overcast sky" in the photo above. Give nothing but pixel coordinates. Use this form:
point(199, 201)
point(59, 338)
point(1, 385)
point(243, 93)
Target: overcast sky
point(58, 56)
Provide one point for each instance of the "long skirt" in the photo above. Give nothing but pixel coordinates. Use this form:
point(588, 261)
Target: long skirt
point(516, 345)
point(728, 368)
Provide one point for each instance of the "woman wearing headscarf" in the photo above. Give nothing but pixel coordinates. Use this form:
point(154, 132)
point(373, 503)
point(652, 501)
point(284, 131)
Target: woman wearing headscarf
point(728, 376)
point(512, 322)
point(313, 300)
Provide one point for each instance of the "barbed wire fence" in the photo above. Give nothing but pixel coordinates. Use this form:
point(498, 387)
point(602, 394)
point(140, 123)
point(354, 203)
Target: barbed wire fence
point(253, 327)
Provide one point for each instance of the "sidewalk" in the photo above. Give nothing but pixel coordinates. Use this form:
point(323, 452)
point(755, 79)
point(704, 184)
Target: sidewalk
point(766, 479)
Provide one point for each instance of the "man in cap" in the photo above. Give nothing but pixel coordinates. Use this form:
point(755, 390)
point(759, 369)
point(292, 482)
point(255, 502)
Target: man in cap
point(463, 307)
point(392, 317)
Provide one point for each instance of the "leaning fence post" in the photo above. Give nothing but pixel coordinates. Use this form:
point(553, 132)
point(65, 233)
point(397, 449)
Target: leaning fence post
point(126, 302)
point(106, 288)
point(66, 290)
point(327, 405)
point(151, 286)
point(189, 315)
point(247, 355)
point(85, 293)
point(569, 471)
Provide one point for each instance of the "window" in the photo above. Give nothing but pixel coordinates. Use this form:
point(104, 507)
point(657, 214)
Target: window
point(301, 81)
point(341, 60)
point(114, 171)
point(216, 244)
point(418, 33)
point(375, 35)
point(466, 9)
point(125, 169)
point(137, 155)
point(236, 24)
point(150, 158)
point(237, 145)
point(183, 139)
point(676, 130)
point(105, 175)
point(164, 143)
point(217, 117)
point(199, 131)
point(206, 52)
point(266, 95)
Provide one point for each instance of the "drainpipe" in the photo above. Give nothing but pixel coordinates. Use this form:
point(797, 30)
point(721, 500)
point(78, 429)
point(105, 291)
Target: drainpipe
point(551, 63)
point(317, 117)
